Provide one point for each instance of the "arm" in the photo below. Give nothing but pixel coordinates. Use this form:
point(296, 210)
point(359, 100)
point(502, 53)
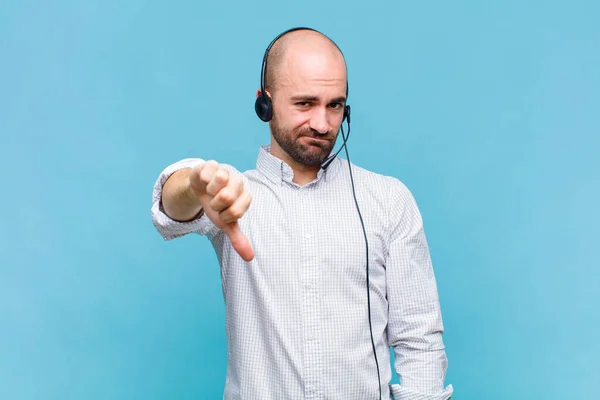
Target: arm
point(415, 324)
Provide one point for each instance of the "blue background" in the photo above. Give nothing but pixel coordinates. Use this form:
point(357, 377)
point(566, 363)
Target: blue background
point(487, 111)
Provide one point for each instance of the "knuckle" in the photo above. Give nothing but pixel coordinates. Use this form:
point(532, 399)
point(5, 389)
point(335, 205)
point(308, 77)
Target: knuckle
point(223, 170)
point(223, 180)
point(230, 216)
point(206, 175)
point(226, 196)
point(236, 212)
point(214, 204)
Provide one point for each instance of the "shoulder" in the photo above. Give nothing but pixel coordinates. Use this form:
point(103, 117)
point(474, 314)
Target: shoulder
point(387, 186)
point(389, 200)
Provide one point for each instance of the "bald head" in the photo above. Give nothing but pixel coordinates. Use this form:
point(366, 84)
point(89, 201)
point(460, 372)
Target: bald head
point(297, 47)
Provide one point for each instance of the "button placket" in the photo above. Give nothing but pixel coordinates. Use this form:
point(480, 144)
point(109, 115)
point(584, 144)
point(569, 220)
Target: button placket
point(311, 303)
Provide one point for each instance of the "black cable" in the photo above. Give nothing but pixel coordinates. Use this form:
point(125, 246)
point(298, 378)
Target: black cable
point(330, 159)
point(367, 252)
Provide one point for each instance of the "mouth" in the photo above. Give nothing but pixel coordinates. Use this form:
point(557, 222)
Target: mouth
point(316, 140)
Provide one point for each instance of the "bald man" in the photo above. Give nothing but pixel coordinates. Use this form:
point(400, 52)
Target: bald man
point(301, 323)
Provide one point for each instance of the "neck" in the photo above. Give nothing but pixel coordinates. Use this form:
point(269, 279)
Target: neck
point(303, 174)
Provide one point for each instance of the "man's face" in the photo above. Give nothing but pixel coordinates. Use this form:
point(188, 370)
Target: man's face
point(308, 106)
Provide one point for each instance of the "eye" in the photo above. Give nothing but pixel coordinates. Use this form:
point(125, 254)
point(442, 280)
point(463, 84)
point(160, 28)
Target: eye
point(336, 105)
point(302, 103)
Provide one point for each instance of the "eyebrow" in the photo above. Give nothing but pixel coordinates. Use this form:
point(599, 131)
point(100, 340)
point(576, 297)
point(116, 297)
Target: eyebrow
point(340, 99)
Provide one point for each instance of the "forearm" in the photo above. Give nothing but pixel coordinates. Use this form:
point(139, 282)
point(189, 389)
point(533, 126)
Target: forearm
point(179, 201)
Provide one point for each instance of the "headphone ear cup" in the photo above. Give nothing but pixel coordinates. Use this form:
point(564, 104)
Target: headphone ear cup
point(346, 114)
point(263, 107)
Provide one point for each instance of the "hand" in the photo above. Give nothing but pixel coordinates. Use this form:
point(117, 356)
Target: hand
point(224, 201)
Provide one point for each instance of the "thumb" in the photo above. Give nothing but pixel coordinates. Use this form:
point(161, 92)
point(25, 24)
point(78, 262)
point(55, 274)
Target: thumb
point(239, 241)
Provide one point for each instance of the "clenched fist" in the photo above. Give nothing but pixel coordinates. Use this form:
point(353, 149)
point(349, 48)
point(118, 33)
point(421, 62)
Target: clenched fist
point(224, 201)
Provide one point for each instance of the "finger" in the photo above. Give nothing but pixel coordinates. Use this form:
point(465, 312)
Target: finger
point(194, 177)
point(207, 171)
point(227, 196)
point(239, 241)
point(237, 209)
point(218, 181)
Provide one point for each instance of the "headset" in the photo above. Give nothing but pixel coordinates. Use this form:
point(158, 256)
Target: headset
point(264, 109)
point(263, 105)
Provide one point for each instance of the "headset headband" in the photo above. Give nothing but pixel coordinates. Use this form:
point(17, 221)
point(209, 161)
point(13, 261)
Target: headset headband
point(263, 71)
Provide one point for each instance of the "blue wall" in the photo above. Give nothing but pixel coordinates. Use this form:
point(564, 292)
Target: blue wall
point(488, 111)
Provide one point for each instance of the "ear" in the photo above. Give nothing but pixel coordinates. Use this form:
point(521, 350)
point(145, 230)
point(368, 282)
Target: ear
point(258, 92)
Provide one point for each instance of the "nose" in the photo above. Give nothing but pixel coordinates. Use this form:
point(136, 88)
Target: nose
point(319, 122)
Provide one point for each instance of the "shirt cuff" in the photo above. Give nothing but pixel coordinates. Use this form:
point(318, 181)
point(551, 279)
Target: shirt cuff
point(401, 393)
point(166, 226)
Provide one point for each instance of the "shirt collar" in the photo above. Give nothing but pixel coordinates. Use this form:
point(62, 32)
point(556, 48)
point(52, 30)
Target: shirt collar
point(278, 171)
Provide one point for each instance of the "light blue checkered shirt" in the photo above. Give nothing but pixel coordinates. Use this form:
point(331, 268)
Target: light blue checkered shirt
point(296, 316)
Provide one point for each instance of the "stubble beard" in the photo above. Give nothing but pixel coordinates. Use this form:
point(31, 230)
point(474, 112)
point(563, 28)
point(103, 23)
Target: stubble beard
point(313, 154)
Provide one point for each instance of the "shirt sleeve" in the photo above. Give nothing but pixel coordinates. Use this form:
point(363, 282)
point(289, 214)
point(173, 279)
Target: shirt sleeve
point(167, 227)
point(415, 325)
